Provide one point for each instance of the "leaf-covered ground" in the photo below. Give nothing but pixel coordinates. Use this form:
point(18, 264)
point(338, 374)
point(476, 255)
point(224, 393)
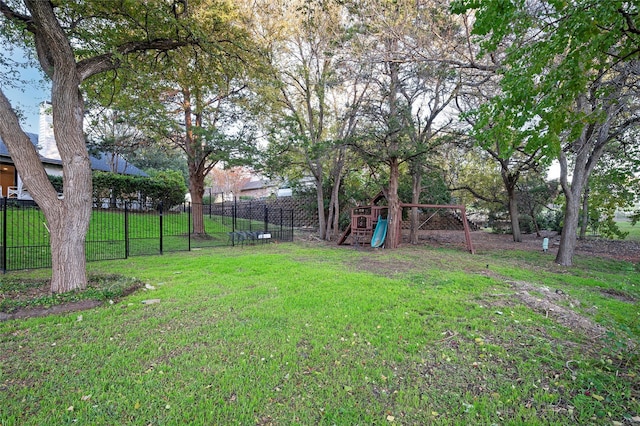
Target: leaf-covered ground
point(627, 250)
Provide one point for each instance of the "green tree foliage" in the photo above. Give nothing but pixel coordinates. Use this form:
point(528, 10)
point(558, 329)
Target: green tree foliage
point(318, 91)
point(196, 100)
point(434, 190)
point(613, 186)
point(162, 187)
point(534, 197)
point(155, 157)
point(568, 84)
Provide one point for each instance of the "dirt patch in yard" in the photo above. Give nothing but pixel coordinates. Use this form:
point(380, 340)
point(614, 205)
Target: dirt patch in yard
point(557, 305)
point(485, 241)
point(40, 311)
point(33, 298)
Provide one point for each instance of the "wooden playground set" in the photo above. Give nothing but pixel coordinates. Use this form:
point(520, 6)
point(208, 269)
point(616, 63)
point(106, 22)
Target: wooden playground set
point(369, 223)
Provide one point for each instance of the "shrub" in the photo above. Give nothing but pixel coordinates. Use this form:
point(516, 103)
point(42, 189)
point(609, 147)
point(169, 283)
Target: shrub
point(166, 187)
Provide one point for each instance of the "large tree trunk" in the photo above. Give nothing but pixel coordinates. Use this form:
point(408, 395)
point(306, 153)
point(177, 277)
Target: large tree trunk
point(68, 219)
point(196, 188)
point(572, 193)
point(588, 150)
point(394, 123)
point(67, 240)
point(196, 157)
point(568, 238)
point(515, 216)
point(510, 180)
point(394, 213)
point(322, 222)
point(583, 166)
point(584, 220)
point(334, 209)
point(333, 218)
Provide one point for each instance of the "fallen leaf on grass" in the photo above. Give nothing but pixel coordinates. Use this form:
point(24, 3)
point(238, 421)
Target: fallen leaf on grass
point(137, 405)
point(70, 408)
point(390, 418)
point(598, 397)
point(86, 397)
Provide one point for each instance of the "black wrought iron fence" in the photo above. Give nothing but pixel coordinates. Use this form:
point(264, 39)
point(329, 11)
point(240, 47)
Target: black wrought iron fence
point(117, 233)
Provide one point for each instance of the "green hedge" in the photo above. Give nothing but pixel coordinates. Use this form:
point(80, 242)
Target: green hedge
point(166, 187)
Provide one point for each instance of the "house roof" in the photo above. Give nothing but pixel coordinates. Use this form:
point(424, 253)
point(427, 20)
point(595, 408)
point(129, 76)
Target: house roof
point(256, 184)
point(5, 152)
point(101, 163)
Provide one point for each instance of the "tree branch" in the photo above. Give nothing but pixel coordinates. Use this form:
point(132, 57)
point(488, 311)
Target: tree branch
point(12, 15)
point(478, 195)
point(109, 61)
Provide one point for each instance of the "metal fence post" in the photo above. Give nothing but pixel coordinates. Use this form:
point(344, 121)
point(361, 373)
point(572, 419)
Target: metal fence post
point(4, 235)
point(126, 231)
point(266, 218)
point(235, 214)
point(189, 225)
point(160, 213)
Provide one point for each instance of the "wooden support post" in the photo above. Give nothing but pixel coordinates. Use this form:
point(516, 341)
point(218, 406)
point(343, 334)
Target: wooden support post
point(467, 232)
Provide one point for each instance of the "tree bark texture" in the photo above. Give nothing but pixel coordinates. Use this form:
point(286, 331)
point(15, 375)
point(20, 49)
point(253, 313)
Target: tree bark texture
point(394, 212)
point(510, 180)
point(333, 217)
point(572, 193)
point(197, 157)
point(588, 153)
point(68, 219)
point(584, 221)
point(322, 222)
point(393, 145)
point(197, 213)
point(514, 214)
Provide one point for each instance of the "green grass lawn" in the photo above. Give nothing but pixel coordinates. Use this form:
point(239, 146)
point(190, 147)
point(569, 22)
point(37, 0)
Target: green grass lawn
point(302, 334)
point(633, 230)
point(27, 234)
